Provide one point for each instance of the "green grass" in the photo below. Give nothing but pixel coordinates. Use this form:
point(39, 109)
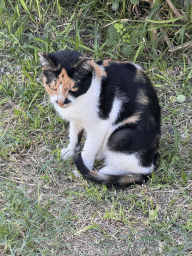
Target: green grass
point(44, 208)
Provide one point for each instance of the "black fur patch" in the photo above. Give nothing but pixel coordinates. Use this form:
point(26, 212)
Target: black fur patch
point(83, 85)
point(106, 98)
point(50, 75)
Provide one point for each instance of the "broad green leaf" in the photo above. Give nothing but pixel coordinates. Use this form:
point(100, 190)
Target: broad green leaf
point(113, 32)
point(111, 41)
point(127, 50)
point(116, 25)
point(121, 25)
point(133, 40)
point(134, 32)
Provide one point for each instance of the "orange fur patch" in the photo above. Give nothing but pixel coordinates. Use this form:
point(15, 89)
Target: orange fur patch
point(132, 119)
point(107, 63)
point(99, 71)
point(126, 179)
point(142, 98)
point(66, 81)
point(50, 91)
point(60, 87)
point(93, 174)
point(140, 76)
point(64, 84)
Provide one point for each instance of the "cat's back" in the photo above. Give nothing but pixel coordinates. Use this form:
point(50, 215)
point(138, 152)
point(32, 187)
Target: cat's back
point(128, 82)
point(139, 116)
point(126, 75)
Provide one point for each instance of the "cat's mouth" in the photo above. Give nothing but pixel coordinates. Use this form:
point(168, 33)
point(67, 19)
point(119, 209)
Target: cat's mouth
point(65, 106)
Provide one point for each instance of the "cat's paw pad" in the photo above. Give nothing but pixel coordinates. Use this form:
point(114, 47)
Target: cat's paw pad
point(66, 152)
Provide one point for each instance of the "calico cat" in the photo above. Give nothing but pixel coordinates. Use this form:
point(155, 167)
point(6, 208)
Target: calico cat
point(117, 106)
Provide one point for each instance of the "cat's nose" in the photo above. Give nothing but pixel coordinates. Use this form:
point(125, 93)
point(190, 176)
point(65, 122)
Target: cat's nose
point(67, 101)
point(63, 102)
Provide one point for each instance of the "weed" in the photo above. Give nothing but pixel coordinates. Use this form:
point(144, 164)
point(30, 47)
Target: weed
point(44, 208)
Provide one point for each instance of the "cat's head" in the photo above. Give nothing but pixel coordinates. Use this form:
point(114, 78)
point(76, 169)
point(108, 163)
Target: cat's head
point(68, 75)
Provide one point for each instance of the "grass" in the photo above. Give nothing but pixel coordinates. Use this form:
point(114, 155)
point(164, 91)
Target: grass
point(44, 208)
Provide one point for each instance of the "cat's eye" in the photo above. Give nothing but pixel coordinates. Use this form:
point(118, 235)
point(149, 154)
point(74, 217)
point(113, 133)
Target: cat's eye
point(53, 86)
point(73, 89)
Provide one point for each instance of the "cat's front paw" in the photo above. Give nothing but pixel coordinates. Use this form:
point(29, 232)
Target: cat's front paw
point(66, 152)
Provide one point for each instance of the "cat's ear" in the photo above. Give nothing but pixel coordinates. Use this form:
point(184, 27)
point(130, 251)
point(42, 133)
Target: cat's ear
point(46, 62)
point(89, 65)
point(84, 63)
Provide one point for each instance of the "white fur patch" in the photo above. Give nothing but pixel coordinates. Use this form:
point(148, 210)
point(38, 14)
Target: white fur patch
point(112, 117)
point(115, 110)
point(120, 163)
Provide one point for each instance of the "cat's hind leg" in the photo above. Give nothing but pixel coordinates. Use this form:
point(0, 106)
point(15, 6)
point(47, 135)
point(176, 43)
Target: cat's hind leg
point(106, 175)
point(122, 164)
point(107, 170)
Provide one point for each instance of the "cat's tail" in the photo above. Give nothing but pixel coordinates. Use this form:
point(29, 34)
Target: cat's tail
point(108, 180)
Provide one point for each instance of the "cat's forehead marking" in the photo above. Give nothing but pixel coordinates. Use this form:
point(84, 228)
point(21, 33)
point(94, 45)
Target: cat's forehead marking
point(64, 81)
point(64, 84)
point(142, 98)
